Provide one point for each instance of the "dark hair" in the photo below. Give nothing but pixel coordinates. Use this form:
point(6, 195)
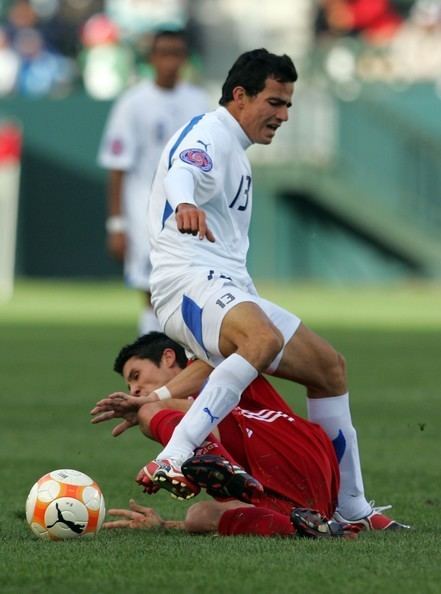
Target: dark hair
point(251, 70)
point(174, 33)
point(150, 346)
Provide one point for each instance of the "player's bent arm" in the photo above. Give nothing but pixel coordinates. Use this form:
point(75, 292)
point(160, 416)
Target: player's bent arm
point(179, 185)
point(189, 381)
point(115, 223)
point(114, 197)
point(150, 409)
point(204, 516)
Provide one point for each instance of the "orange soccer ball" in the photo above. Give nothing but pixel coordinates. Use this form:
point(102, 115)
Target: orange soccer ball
point(65, 504)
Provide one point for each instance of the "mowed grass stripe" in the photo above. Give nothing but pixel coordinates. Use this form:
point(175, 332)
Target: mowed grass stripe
point(53, 370)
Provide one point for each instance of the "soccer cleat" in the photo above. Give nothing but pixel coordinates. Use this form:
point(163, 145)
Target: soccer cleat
point(221, 478)
point(375, 520)
point(310, 523)
point(163, 474)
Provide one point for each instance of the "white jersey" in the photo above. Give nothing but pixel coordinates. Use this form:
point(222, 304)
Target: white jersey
point(212, 148)
point(139, 125)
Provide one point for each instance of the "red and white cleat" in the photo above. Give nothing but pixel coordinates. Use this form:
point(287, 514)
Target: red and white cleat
point(375, 520)
point(164, 474)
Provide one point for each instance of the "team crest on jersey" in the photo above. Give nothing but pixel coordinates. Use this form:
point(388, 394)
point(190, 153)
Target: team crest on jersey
point(116, 146)
point(198, 158)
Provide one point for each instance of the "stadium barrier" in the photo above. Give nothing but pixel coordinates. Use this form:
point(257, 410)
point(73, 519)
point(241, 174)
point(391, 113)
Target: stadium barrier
point(10, 150)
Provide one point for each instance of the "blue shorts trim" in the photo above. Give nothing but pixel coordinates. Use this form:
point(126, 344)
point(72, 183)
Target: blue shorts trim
point(192, 315)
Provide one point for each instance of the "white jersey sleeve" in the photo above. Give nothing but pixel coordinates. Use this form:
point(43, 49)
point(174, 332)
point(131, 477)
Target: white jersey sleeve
point(119, 143)
point(201, 152)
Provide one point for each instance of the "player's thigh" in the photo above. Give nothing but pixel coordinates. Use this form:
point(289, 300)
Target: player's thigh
point(310, 360)
point(213, 320)
point(200, 311)
point(247, 329)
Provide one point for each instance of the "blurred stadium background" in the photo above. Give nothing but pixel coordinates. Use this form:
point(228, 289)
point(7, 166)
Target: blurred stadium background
point(349, 192)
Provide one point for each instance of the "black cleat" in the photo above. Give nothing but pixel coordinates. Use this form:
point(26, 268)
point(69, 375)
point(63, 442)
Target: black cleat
point(221, 478)
point(311, 524)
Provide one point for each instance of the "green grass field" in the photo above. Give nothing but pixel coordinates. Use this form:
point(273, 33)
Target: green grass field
point(57, 344)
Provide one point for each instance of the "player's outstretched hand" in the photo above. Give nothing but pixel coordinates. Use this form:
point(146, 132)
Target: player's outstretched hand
point(137, 517)
point(190, 219)
point(117, 405)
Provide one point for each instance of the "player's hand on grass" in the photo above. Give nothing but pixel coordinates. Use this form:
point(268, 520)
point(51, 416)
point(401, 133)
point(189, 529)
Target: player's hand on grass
point(137, 517)
point(190, 219)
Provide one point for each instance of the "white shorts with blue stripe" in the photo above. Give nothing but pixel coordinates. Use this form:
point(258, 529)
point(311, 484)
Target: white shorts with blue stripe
point(197, 321)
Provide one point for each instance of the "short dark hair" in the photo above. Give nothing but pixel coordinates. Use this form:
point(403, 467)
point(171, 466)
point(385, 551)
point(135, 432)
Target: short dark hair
point(251, 70)
point(149, 346)
point(174, 33)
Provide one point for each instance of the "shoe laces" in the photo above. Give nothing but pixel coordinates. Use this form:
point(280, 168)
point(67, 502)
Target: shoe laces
point(378, 508)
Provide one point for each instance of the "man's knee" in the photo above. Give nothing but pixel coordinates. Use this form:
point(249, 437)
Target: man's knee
point(249, 332)
point(265, 344)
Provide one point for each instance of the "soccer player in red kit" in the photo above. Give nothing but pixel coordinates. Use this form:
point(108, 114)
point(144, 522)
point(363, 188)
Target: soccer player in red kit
point(268, 456)
point(292, 459)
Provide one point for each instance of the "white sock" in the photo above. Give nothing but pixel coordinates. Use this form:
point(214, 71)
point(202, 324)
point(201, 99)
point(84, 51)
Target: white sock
point(334, 416)
point(219, 396)
point(148, 322)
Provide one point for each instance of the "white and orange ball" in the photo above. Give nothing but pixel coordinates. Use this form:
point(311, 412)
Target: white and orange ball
point(65, 504)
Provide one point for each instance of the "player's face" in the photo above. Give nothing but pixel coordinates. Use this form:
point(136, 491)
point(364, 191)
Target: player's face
point(143, 376)
point(167, 58)
point(264, 113)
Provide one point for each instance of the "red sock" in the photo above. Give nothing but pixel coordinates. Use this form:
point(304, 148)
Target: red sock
point(259, 521)
point(163, 424)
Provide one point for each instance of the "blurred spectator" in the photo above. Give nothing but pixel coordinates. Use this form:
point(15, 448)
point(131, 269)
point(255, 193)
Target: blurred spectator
point(375, 20)
point(21, 15)
point(62, 29)
point(415, 53)
point(41, 72)
point(9, 65)
point(107, 64)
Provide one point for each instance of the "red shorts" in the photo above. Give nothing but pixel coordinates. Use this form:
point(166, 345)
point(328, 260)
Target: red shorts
point(293, 458)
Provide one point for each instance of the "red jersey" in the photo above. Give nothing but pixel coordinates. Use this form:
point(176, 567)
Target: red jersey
point(293, 458)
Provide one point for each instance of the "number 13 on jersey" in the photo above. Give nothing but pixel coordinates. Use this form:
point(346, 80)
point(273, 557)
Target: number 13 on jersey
point(240, 200)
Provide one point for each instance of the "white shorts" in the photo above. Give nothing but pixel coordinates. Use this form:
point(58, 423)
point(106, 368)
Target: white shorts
point(137, 267)
point(196, 323)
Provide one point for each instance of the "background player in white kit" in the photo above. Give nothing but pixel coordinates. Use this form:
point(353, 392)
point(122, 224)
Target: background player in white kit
point(139, 125)
point(201, 290)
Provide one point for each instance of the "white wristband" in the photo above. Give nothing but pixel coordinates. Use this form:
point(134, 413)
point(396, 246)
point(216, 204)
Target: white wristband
point(116, 224)
point(163, 393)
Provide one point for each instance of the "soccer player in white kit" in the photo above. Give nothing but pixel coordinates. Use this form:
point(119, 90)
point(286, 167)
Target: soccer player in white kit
point(204, 298)
point(139, 125)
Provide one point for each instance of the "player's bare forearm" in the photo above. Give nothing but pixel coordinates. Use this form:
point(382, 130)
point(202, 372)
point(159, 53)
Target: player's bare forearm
point(190, 380)
point(139, 517)
point(114, 192)
point(116, 224)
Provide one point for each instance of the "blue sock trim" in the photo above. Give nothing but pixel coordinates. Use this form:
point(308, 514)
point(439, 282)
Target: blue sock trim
point(339, 444)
